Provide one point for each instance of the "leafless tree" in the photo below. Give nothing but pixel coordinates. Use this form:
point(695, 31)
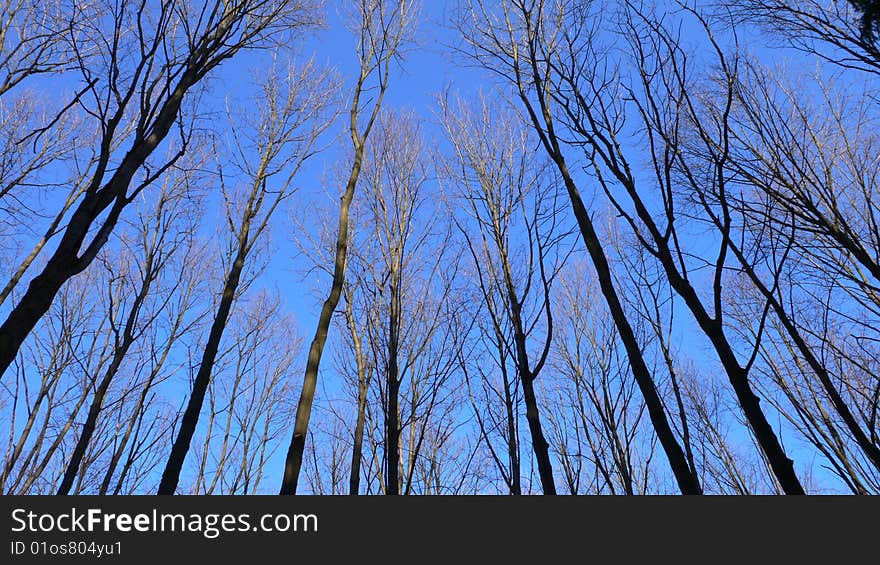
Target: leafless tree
point(248, 401)
point(597, 416)
point(521, 41)
point(51, 383)
point(396, 311)
point(130, 287)
point(144, 294)
point(505, 198)
point(293, 105)
point(803, 164)
point(137, 62)
point(642, 260)
point(383, 28)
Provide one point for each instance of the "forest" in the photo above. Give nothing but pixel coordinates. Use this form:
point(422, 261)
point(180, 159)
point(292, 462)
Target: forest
point(440, 247)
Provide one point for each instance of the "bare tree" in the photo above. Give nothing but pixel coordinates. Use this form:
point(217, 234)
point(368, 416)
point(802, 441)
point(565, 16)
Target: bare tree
point(364, 372)
point(397, 300)
point(248, 400)
point(520, 41)
point(383, 27)
point(598, 419)
point(284, 137)
point(137, 63)
point(505, 198)
point(50, 386)
point(808, 206)
point(141, 419)
point(405, 276)
point(158, 240)
point(713, 326)
point(143, 304)
point(592, 100)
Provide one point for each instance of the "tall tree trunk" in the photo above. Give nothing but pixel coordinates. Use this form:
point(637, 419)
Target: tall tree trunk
point(512, 439)
point(174, 465)
point(89, 426)
point(544, 126)
point(540, 446)
point(363, 380)
point(357, 448)
point(119, 353)
point(293, 462)
point(68, 260)
point(688, 483)
point(780, 463)
point(712, 326)
point(392, 424)
point(539, 443)
point(380, 41)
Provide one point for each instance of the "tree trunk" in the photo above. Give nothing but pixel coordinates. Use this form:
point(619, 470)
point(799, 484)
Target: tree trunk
point(512, 440)
point(119, 353)
point(357, 448)
point(293, 462)
point(174, 465)
point(363, 387)
point(688, 483)
point(780, 463)
point(392, 424)
point(539, 443)
point(88, 429)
